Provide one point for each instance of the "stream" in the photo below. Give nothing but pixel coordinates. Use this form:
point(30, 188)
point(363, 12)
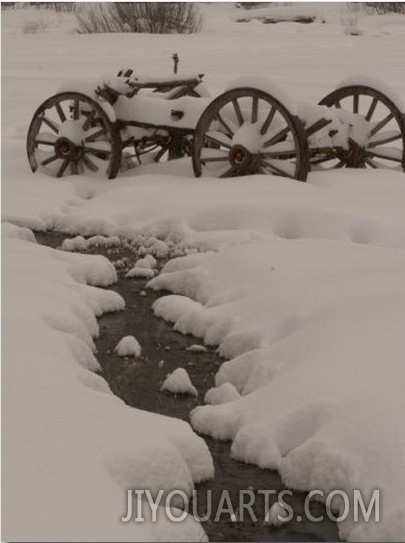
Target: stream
point(137, 382)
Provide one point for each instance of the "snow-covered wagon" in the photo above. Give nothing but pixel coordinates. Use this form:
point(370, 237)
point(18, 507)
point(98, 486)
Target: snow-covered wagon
point(251, 128)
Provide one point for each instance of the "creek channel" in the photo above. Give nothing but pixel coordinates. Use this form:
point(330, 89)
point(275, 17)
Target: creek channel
point(137, 382)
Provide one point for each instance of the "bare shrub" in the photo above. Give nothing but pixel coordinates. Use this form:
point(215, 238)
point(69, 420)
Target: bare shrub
point(35, 27)
point(150, 17)
point(380, 8)
point(98, 18)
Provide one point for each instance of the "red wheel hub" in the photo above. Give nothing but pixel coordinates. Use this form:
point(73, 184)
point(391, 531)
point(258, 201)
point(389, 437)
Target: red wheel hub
point(66, 149)
point(239, 157)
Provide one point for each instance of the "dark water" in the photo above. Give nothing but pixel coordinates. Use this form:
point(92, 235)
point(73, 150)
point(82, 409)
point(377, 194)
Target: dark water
point(138, 382)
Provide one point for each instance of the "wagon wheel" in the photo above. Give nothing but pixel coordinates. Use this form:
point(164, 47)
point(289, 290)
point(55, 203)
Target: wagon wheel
point(70, 133)
point(247, 131)
point(380, 138)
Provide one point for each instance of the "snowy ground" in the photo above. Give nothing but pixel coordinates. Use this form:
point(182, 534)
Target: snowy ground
point(300, 285)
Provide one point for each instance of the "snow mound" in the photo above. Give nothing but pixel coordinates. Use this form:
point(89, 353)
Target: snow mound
point(12, 231)
point(303, 319)
point(276, 515)
point(223, 394)
point(85, 465)
point(143, 268)
point(197, 348)
point(128, 346)
point(179, 382)
point(139, 272)
point(79, 243)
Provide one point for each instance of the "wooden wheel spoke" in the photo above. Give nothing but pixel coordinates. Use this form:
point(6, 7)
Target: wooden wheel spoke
point(394, 156)
point(229, 173)
point(53, 126)
point(96, 135)
point(74, 167)
point(371, 109)
point(255, 109)
point(219, 139)
point(277, 137)
point(277, 170)
point(215, 159)
point(60, 111)
point(99, 153)
point(356, 100)
point(49, 160)
point(89, 163)
point(44, 142)
point(160, 154)
point(268, 121)
point(63, 167)
point(371, 163)
point(282, 154)
point(381, 124)
point(238, 112)
point(90, 118)
point(76, 109)
point(317, 125)
point(388, 138)
point(224, 124)
point(326, 158)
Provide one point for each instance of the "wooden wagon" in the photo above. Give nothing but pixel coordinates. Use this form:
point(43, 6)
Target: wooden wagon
point(251, 128)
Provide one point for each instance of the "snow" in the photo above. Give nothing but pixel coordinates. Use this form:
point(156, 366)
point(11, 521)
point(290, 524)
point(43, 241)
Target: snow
point(179, 382)
point(276, 512)
point(299, 284)
point(81, 447)
point(79, 243)
point(197, 348)
point(149, 110)
point(227, 392)
point(376, 84)
point(128, 346)
point(143, 268)
point(304, 321)
point(267, 85)
point(140, 273)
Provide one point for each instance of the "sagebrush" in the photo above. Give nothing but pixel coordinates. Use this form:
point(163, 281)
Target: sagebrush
point(150, 17)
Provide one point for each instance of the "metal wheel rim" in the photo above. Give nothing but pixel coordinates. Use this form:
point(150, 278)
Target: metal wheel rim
point(281, 147)
point(71, 134)
point(377, 110)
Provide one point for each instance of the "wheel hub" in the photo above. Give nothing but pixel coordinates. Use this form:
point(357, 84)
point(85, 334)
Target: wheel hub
point(66, 149)
point(242, 160)
point(354, 157)
point(239, 157)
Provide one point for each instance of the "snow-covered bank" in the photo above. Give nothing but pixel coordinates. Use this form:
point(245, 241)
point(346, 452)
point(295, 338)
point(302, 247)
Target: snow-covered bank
point(314, 330)
point(71, 448)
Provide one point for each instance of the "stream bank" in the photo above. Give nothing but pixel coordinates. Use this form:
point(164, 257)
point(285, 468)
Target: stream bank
point(137, 382)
